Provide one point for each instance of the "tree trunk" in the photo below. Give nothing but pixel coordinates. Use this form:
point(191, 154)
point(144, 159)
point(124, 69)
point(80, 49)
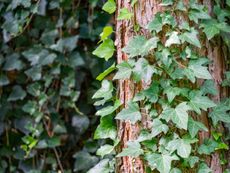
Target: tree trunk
point(144, 11)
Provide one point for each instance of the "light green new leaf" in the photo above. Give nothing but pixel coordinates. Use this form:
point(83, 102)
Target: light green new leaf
point(124, 71)
point(106, 128)
point(102, 75)
point(131, 113)
point(133, 2)
point(17, 93)
point(109, 6)
point(124, 14)
point(107, 31)
point(197, 102)
point(133, 149)
point(158, 127)
point(161, 162)
point(221, 112)
point(173, 39)
point(105, 49)
point(195, 126)
point(191, 37)
point(105, 150)
point(203, 168)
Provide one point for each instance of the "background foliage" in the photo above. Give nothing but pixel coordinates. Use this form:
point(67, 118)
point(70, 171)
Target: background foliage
point(47, 74)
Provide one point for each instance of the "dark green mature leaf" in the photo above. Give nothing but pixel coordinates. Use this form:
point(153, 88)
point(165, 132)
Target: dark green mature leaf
point(221, 112)
point(106, 128)
point(197, 102)
point(158, 127)
point(197, 12)
point(161, 162)
point(34, 73)
point(208, 146)
point(133, 149)
point(4, 80)
point(67, 44)
point(203, 168)
point(17, 93)
point(172, 92)
point(226, 81)
point(109, 6)
point(124, 14)
point(13, 63)
point(195, 126)
point(131, 113)
point(152, 92)
point(105, 50)
point(209, 87)
point(124, 71)
point(191, 37)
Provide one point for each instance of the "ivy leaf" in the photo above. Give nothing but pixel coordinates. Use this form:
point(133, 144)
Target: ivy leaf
point(198, 12)
point(173, 39)
point(197, 102)
point(158, 127)
point(180, 115)
point(172, 92)
point(143, 71)
point(208, 147)
point(17, 93)
point(180, 6)
point(109, 109)
point(192, 160)
point(106, 128)
point(162, 162)
point(124, 71)
point(109, 6)
point(197, 68)
point(34, 73)
point(191, 37)
point(104, 93)
point(13, 63)
point(133, 149)
point(124, 14)
point(208, 87)
point(105, 50)
point(175, 170)
point(102, 75)
point(156, 24)
point(165, 57)
point(107, 31)
point(102, 167)
point(130, 113)
point(203, 168)
point(151, 93)
point(226, 81)
point(105, 150)
point(4, 80)
point(195, 126)
point(133, 2)
point(182, 146)
point(221, 112)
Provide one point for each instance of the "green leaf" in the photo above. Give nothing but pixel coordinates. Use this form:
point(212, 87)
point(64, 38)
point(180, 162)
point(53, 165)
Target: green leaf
point(198, 12)
point(209, 87)
point(172, 92)
point(197, 68)
point(156, 24)
point(208, 147)
point(165, 57)
point(192, 160)
point(210, 28)
point(105, 150)
point(124, 14)
point(34, 73)
point(175, 170)
point(221, 112)
point(152, 92)
point(4, 80)
point(133, 2)
point(197, 102)
point(13, 63)
point(226, 81)
point(195, 126)
point(106, 128)
point(158, 127)
point(133, 149)
point(109, 6)
point(102, 167)
point(180, 6)
point(131, 113)
point(124, 71)
point(182, 146)
point(17, 93)
point(109, 109)
point(173, 39)
point(203, 168)
point(30, 107)
point(191, 37)
point(107, 31)
point(102, 75)
point(162, 162)
point(105, 50)
point(143, 71)
point(104, 93)
point(167, 2)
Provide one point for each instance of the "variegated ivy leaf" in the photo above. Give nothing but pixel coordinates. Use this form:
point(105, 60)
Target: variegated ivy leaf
point(131, 113)
point(133, 149)
point(104, 93)
point(161, 162)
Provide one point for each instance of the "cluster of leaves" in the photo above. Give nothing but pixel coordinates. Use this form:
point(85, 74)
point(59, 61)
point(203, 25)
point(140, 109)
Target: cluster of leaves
point(173, 101)
point(46, 82)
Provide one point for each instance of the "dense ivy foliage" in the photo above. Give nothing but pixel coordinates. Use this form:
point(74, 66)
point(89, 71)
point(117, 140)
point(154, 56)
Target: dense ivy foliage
point(171, 61)
point(47, 74)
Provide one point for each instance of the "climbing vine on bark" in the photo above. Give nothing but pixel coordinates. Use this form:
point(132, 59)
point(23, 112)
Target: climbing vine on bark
point(173, 89)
